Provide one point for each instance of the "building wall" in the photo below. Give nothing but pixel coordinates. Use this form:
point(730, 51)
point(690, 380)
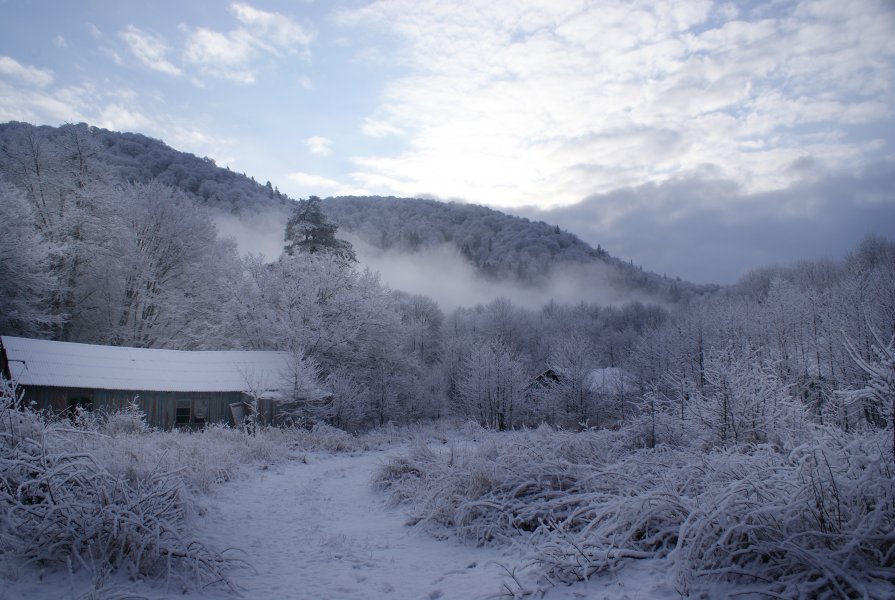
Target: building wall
point(161, 408)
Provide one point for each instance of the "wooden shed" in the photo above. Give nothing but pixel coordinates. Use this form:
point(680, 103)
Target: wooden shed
point(175, 388)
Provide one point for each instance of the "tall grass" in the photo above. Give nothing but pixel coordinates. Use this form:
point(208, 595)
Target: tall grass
point(107, 494)
point(815, 521)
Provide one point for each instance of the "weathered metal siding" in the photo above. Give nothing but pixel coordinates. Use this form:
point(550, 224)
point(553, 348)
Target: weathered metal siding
point(160, 407)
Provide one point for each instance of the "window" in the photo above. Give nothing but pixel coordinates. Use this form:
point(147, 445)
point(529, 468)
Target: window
point(183, 411)
point(191, 412)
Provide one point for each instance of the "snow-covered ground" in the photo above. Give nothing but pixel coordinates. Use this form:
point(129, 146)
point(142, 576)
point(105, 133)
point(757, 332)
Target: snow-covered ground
point(319, 531)
point(316, 530)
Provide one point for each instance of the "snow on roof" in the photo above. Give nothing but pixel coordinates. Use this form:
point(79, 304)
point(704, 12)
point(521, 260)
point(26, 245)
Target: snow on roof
point(65, 364)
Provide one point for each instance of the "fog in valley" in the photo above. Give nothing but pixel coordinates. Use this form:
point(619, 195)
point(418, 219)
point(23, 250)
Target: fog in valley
point(254, 233)
point(381, 299)
point(440, 272)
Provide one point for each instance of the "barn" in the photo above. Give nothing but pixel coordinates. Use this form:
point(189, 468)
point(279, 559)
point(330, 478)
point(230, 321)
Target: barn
point(175, 388)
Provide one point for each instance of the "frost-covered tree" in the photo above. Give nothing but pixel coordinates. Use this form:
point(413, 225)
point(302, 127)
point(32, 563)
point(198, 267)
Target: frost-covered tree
point(27, 285)
point(491, 386)
point(302, 394)
point(159, 277)
point(65, 186)
point(877, 396)
point(309, 231)
point(349, 400)
point(422, 320)
point(744, 402)
point(572, 359)
point(340, 316)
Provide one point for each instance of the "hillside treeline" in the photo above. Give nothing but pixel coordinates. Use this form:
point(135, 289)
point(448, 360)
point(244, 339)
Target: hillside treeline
point(499, 246)
point(745, 433)
point(91, 254)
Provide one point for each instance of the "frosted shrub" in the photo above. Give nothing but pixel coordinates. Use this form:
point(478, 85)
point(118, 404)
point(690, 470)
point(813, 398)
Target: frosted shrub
point(327, 437)
point(18, 427)
point(70, 509)
point(744, 402)
point(131, 419)
point(61, 506)
point(86, 419)
point(814, 521)
point(817, 522)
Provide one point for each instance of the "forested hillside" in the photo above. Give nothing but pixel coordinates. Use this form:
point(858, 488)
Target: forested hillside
point(500, 246)
point(135, 158)
point(771, 399)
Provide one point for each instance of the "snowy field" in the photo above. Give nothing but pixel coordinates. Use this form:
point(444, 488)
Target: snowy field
point(318, 530)
point(106, 508)
point(314, 527)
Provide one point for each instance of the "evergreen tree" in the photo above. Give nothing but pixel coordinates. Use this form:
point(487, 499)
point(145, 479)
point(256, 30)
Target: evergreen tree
point(308, 230)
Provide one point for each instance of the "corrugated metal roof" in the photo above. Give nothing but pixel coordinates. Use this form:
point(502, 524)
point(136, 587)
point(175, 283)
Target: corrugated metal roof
point(65, 364)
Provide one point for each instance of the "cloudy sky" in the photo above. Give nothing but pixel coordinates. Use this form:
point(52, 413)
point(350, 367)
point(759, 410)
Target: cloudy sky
point(698, 139)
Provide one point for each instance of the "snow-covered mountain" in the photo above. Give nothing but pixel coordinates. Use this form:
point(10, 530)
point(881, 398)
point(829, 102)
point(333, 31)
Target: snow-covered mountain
point(498, 246)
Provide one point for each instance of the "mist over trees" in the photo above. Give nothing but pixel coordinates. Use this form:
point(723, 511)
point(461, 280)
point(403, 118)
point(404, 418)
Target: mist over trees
point(100, 248)
point(95, 253)
point(499, 246)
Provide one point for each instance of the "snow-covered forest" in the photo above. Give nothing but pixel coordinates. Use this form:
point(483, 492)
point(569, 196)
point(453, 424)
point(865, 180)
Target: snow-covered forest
point(745, 434)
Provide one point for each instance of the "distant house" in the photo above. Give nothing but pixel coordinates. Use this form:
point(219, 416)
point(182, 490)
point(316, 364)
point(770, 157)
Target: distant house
point(175, 388)
point(606, 381)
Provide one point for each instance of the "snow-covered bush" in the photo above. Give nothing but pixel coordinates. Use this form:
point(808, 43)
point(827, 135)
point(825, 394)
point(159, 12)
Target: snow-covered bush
point(61, 506)
point(130, 419)
point(106, 493)
point(814, 521)
point(877, 397)
point(744, 402)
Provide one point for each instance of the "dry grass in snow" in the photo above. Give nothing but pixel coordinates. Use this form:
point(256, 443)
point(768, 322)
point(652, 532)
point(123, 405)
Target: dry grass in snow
point(817, 520)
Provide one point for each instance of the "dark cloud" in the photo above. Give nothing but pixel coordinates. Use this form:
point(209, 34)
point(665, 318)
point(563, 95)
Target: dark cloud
point(708, 230)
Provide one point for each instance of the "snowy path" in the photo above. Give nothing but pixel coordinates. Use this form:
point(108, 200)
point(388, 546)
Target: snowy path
point(318, 531)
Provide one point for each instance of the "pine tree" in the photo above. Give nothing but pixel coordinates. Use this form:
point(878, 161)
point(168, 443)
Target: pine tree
point(308, 230)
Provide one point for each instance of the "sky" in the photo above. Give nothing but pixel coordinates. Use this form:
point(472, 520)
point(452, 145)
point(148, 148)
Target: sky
point(698, 139)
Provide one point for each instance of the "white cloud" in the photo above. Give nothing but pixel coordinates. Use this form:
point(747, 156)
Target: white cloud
point(310, 180)
point(119, 118)
point(150, 50)
point(308, 184)
point(278, 30)
point(32, 75)
point(60, 42)
point(33, 105)
point(319, 145)
point(211, 47)
point(94, 31)
point(114, 56)
point(234, 55)
point(547, 103)
point(222, 56)
point(379, 129)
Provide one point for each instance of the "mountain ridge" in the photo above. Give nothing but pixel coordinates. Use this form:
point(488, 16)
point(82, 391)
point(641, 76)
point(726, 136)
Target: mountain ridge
point(499, 245)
